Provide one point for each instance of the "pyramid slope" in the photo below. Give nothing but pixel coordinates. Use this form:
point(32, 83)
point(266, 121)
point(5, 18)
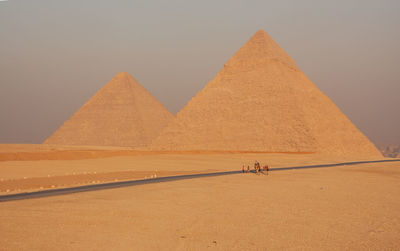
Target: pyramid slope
point(261, 101)
point(122, 113)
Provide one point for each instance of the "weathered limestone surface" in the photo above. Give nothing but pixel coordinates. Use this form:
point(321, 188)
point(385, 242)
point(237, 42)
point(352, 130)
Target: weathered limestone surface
point(261, 101)
point(122, 113)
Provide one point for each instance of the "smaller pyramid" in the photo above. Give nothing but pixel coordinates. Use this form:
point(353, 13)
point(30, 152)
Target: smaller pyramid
point(122, 113)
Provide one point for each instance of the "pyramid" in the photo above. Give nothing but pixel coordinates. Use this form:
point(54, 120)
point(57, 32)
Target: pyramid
point(261, 101)
point(122, 113)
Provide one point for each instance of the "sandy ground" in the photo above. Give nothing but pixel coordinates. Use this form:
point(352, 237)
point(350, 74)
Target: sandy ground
point(46, 147)
point(26, 152)
point(34, 152)
point(14, 186)
point(32, 175)
point(354, 207)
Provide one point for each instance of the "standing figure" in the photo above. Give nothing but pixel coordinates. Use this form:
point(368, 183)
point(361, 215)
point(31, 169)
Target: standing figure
point(266, 169)
point(256, 166)
point(243, 169)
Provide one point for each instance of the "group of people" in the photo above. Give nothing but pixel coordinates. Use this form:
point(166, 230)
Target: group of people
point(257, 168)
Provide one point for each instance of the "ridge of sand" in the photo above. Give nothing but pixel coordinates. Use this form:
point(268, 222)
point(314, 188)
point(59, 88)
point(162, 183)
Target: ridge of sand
point(261, 101)
point(122, 113)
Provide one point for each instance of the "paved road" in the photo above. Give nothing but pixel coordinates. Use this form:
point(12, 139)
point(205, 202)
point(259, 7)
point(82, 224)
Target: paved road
point(61, 191)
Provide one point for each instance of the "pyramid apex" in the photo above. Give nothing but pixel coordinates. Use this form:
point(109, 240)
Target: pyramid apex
point(261, 48)
point(122, 75)
point(260, 32)
point(260, 36)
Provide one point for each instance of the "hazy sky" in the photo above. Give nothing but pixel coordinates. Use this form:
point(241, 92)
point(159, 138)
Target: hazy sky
point(54, 55)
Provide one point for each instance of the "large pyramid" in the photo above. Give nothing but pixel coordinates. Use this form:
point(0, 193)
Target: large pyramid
point(122, 113)
point(261, 101)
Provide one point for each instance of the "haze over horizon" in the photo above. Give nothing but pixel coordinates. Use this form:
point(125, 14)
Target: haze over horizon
point(56, 55)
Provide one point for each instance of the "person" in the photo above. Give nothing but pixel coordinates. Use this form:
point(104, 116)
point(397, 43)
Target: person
point(266, 169)
point(248, 168)
point(256, 165)
point(243, 169)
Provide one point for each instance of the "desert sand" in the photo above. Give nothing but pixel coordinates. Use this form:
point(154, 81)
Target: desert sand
point(261, 101)
point(350, 207)
point(122, 113)
point(38, 167)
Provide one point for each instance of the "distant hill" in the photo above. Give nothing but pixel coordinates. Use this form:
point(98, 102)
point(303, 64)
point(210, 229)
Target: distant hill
point(391, 151)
